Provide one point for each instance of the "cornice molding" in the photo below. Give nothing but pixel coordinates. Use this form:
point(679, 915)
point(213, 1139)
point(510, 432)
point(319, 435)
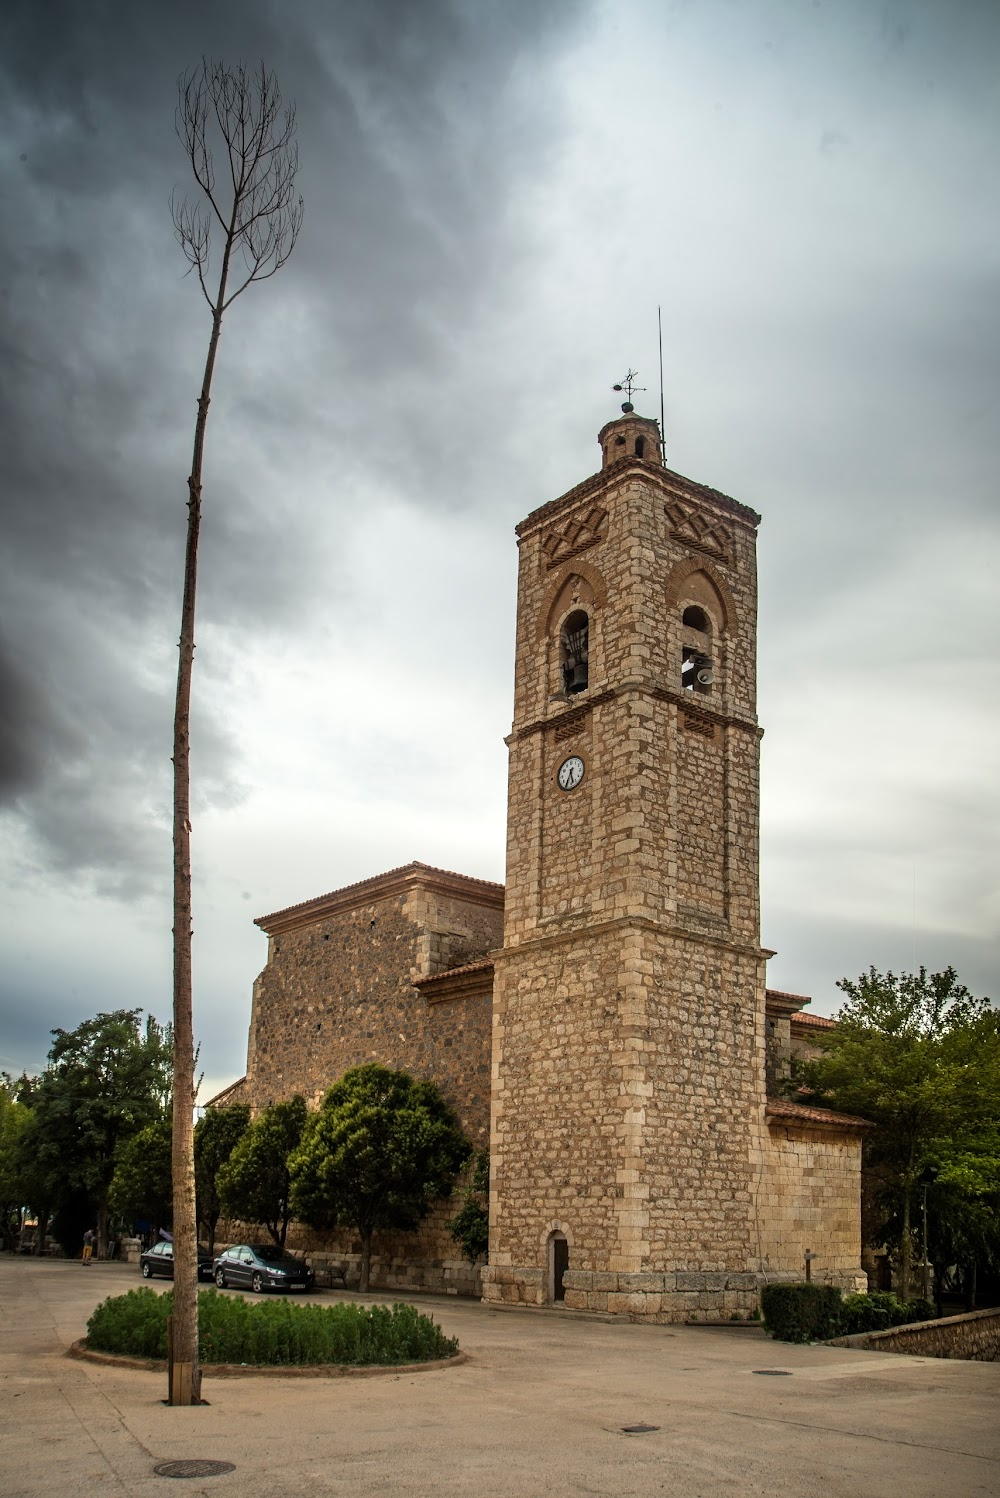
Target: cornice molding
point(586, 929)
point(666, 479)
point(399, 881)
point(683, 700)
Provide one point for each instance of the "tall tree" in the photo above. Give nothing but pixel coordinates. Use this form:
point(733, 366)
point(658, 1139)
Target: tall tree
point(106, 1080)
point(253, 1184)
point(379, 1152)
point(216, 1135)
point(141, 1185)
point(919, 1055)
point(251, 210)
point(14, 1119)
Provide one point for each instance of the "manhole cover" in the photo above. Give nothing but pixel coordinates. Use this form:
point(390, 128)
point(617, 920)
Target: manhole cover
point(773, 1372)
point(638, 1430)
point(193, 1469)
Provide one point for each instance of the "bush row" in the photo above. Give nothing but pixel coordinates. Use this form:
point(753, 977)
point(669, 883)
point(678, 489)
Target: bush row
point(815, 1313)
point(271, 1333)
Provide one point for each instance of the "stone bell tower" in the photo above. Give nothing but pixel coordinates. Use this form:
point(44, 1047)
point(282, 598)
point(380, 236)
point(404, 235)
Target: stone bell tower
point(628, 1076)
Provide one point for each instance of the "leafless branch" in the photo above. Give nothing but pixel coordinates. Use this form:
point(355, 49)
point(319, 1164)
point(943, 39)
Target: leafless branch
point(238, 114)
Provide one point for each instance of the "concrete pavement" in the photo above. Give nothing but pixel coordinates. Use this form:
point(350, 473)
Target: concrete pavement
point(538, 1409)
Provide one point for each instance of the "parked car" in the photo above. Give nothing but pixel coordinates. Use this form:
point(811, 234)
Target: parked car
point(160, 1260)
point(261, 1266)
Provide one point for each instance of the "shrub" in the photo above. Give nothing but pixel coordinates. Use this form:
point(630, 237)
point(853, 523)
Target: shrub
point(879, 1310)
point(272, 1333)
point(801, 1312)
point(812, 1313)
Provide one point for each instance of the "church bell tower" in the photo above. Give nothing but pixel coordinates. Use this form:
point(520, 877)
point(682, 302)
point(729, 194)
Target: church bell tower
point(628, 1076)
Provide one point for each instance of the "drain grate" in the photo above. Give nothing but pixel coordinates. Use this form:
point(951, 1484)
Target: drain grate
point(638, 1430)
point(193, 1469)
point(774, 1372)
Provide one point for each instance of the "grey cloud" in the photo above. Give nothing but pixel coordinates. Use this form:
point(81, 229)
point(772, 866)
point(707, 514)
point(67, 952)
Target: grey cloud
point(406, 149)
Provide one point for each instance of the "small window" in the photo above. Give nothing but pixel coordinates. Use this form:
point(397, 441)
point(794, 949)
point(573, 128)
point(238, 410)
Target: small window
point(575, 652)
point(619, 442)
point(640, 447)
point(695, 618)
point(696, 671)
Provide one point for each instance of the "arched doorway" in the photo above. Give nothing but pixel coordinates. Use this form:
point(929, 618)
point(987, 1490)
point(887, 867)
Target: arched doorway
point(558, 1265)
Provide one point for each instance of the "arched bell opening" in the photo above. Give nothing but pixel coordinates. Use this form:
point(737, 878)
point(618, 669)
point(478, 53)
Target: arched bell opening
point(558, 1251)
point(697, 667)
point(574, 651)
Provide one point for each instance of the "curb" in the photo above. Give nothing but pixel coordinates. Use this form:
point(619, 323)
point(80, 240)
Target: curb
point(79, 1349)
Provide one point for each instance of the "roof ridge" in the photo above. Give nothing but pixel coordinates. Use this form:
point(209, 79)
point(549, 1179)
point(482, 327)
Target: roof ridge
point(414, 867)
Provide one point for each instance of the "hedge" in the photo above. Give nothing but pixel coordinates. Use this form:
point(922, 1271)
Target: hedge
point(804, 1312)
point(801, 1312)
point(271, 1333)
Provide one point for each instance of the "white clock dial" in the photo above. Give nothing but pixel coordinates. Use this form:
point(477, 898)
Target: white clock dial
point(570, 773)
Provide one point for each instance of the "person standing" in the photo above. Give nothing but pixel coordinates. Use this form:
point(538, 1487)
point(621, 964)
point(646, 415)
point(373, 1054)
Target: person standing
point(88, 1245)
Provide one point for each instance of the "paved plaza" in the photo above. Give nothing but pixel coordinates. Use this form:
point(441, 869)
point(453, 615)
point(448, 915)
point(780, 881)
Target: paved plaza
point(538, 1408)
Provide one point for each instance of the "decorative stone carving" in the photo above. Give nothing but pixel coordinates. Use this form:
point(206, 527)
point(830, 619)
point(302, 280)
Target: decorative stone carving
point(578, 533)
point(692, 528)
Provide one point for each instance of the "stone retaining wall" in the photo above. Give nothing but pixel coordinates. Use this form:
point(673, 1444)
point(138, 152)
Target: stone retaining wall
point(974, 1336)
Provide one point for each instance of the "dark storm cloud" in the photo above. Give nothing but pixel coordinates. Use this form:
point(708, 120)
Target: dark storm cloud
point(407, 141)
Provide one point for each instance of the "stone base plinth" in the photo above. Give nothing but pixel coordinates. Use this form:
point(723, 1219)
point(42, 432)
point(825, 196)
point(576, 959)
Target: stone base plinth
point(656, 1297)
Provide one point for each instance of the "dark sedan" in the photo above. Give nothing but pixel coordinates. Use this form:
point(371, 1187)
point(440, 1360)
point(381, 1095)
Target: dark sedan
point(160, 1260)
point(259, 1266)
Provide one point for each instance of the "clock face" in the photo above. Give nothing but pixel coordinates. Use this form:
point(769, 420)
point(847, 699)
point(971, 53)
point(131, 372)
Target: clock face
point(570, 773)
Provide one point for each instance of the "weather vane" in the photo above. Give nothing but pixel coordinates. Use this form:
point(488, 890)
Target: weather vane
point(628, 385)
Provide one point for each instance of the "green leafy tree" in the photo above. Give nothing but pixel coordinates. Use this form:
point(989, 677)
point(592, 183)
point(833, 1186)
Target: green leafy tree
point(106, 1080)
point(15, 1117)
point(141, 1185)
point(216, 1135)
point(253, 1184)
point(918, 1055)
point(377, 1154)
point(470, 1227)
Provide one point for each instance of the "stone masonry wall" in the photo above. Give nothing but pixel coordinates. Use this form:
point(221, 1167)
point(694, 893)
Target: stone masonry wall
point(810, 1199)
point(338, 992)
point(426, 1259)
point(974, 1336)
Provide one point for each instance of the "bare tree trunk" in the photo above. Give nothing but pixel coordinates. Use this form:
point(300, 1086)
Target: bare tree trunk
point(185, 1224)
point(906, 1254)
point(366, 1258)
point(262, 220)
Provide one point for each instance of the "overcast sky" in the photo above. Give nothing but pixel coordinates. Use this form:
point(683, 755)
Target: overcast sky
point(497, 199)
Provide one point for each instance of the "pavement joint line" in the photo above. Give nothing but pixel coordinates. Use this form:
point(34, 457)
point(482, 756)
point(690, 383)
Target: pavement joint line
point(835, 1430)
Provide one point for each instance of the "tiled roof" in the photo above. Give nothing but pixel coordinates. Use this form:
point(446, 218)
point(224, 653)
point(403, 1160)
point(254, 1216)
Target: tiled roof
point(814, 1021)
point(781, 1108)
point(486, 966)
point(220, 1097)
point(779, 993)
